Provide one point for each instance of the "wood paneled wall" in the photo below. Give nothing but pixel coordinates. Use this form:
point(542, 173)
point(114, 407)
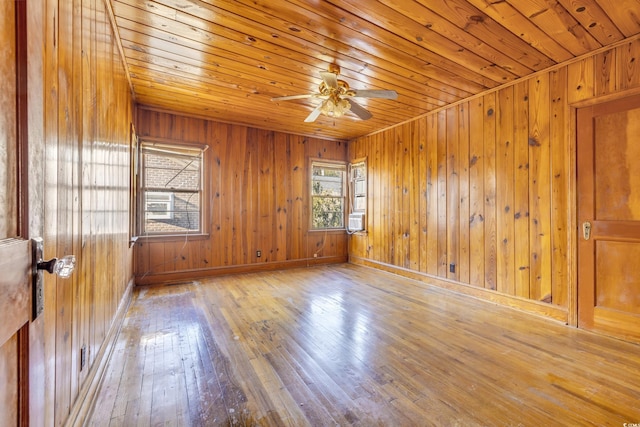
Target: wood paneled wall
point(259, 200)
point(481, 193)
point(85, 192)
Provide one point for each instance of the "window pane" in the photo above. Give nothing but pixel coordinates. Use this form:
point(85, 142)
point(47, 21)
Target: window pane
point(179, 212)
point(327, 181)
point(173, 172)
point(324, 170)
point(328, 212)
point(185, 222)
point(359, 186)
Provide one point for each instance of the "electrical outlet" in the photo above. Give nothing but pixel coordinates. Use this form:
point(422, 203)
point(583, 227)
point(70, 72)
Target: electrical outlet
point(452, 268)
point(258, 254)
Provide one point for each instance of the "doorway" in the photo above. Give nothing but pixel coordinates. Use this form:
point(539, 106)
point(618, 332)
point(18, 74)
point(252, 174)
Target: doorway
point(15, 248)
point(608, 184)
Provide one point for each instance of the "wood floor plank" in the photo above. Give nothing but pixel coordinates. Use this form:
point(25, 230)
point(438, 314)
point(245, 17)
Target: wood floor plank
point(350, 345)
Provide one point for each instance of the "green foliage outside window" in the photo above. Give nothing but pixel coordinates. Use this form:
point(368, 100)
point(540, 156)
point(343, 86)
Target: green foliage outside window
point(327, 195)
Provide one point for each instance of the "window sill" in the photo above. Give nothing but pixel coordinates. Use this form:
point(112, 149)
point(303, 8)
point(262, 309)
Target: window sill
point(171, 237)
point(329, 231)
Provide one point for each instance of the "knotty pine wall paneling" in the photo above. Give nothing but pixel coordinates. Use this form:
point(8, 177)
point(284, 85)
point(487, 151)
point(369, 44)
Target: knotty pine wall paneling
point(258, 200)
point(87, 117)
point(521, 190)
point(561, 201)
point(476, 193)
point(505, 218)
point(463, 267)
point(479, 197)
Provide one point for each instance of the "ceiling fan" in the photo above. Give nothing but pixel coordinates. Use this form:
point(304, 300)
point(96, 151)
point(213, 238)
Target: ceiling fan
point(338, 97)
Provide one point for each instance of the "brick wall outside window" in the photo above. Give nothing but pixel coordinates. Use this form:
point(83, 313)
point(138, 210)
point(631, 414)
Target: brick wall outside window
point(165, 175)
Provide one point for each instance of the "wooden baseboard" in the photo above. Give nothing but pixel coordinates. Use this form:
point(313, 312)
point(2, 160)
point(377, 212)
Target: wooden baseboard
point(534, 307)
point(185, 275)
point(84, 403)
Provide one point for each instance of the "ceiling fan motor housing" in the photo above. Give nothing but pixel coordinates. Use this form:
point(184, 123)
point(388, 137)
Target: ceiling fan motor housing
point(334, 68)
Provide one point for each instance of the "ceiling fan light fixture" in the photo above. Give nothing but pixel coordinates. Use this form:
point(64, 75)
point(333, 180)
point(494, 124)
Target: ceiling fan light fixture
point(335, 107)
point(333, 91)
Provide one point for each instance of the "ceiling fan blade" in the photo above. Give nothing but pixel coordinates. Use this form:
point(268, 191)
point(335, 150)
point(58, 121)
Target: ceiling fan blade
point(330, 79)
point(359, 110)
point(314, 114)
point(290, 97)
point(385, 94)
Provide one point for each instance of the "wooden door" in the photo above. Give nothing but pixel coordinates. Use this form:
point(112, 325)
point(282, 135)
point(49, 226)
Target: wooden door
point(15, 252)
point(609, 201)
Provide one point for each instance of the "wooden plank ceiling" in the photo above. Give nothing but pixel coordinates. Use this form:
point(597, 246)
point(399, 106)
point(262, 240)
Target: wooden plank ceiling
point(226, 59)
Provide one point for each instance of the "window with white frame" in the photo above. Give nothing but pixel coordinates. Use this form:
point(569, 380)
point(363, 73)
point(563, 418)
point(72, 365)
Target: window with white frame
point(327, 194)
point(158, 204)
point(171, 189)
point(359, 186)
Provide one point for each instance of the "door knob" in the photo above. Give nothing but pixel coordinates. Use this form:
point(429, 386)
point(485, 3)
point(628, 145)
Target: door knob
point(62, 267)
point(586, 230)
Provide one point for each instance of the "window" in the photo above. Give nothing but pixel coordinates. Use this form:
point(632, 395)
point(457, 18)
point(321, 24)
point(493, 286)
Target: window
point(171, 189)
point(359, 182)
point(159, 205)
point(357, 196)
point(134, 179)
point(327, 195)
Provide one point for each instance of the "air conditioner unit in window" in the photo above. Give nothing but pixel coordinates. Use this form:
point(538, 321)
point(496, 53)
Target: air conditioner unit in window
point(356, 222)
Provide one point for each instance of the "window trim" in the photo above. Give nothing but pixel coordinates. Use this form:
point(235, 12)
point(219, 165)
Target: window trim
point(335, 164)
point(203, 190)
point(352, 187)
point(358, 215)
point(134, 184)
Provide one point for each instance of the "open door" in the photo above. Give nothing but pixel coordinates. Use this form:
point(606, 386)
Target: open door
point(609, 218)
point(15, 306)
point(15, 249)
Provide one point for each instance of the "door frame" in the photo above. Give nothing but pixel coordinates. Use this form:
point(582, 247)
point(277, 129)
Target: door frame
point(16, 245)
point(22, 112)
point(572, 314)
point(22, 136)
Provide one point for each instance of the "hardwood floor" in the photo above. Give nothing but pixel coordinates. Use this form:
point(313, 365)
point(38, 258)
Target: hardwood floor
point(349, 345)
